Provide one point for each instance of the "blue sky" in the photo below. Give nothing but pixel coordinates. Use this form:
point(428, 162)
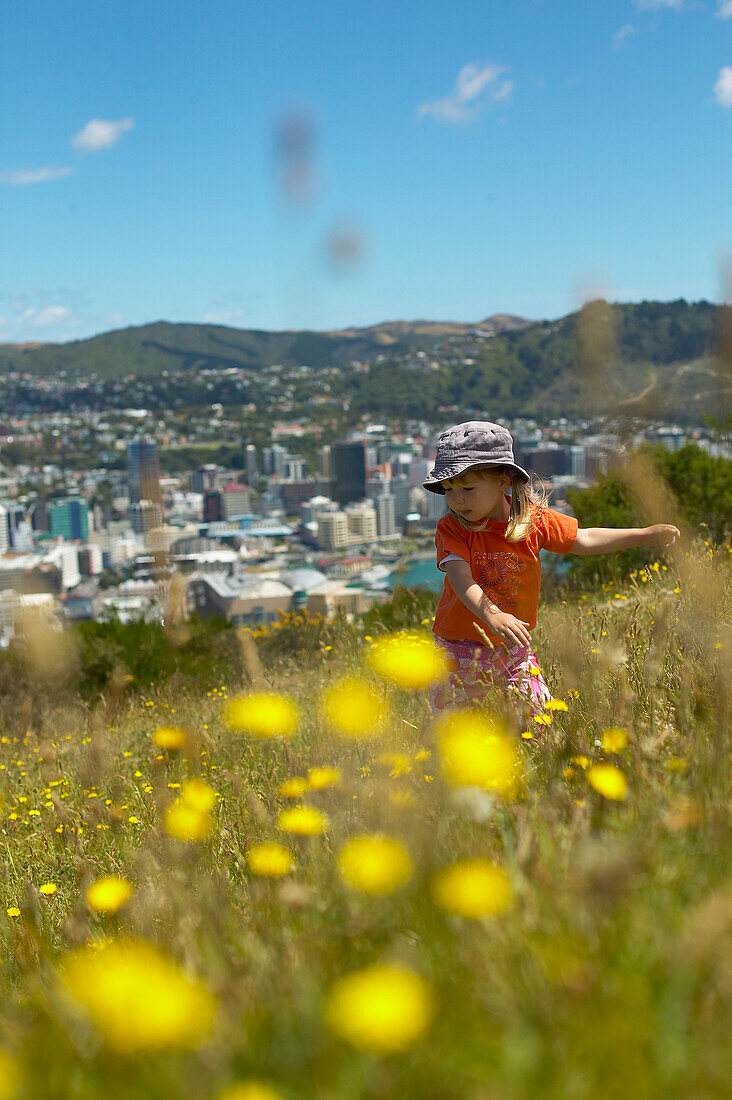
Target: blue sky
point(311, 164)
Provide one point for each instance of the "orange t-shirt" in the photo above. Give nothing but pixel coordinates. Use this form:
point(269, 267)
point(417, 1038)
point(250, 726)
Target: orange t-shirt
point(508, 572)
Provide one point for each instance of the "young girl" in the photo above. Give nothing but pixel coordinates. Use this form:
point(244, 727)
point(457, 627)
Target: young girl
point(488, 547)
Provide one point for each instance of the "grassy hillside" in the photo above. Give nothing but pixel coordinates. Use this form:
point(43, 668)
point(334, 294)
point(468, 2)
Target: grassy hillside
point(558, 927)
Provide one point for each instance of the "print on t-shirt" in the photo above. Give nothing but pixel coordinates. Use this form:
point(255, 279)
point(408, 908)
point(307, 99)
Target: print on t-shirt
point(498, 576)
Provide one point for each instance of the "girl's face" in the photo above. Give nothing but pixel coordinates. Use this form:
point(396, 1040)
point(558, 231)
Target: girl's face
point(477, 495)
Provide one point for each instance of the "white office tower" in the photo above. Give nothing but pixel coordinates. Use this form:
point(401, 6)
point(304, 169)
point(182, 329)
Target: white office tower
point(436, 506)
point(4, 532)
point(333, 530)
point(325, 463)
point(377, 484)
point(250, 458)
point(362, 522)
point(385, 517)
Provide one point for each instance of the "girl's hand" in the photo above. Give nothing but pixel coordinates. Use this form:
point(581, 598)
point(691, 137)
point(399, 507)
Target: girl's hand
point(509, 629)
point(660, 534)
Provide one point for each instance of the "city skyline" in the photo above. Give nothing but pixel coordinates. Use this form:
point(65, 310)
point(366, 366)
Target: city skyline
point(338, 167)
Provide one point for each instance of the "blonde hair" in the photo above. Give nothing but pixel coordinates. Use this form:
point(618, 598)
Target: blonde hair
point(527, 498)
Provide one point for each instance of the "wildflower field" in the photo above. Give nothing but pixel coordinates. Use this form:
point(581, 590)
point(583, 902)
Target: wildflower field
point(295, 884)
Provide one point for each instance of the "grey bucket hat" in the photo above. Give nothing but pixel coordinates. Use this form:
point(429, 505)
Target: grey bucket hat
point(475, 445)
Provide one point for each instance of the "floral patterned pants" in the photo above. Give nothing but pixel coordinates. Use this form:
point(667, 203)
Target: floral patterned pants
point(474, 668)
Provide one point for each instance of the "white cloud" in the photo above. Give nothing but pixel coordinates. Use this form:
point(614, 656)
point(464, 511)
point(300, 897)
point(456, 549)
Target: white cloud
point(723, 87)
point(99, 134)
point(625, 32)
point(225, 317)
point(463, 102)
point(21, 177)
point(724, 10)
point(650, 5)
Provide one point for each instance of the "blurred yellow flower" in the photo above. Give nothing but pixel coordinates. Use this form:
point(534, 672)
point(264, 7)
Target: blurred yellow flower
point(293, 788)
point(472, 888)
point(320, 778)
point(374, 864)
point(48, 888)
point(581, 762)
point(13, 911)
point(198, 795)
point(303, 821)
point(410, 660)
point(608, 781)
point(9, 1077)
point(385, 1009)
point(262, 714)
point(138, 998)
point(108, 894)
point(170, 738)
point(614, 740)
point(478, 751)
point(250, 1090)
point(398, 763)
point(184, 822)
point(353, 708)
point(270, 860)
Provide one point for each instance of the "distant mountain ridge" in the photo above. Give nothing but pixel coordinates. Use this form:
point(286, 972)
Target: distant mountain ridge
point(150, 349)
point(657, 359)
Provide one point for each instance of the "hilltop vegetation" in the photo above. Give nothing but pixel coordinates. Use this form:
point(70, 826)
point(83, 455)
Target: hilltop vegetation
point(650, 359)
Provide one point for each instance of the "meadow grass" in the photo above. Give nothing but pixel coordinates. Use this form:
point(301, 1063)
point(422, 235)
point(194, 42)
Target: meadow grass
point(593, 961)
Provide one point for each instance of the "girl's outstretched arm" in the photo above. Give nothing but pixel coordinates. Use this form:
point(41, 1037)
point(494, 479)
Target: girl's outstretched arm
point(603, 540)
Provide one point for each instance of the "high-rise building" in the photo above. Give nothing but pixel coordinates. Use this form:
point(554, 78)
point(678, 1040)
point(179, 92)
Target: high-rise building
point(4, 532)
point(385, 518)
point(213, 511)
point(39, 518)
point(145, 516)
point(143, 470)
point(206, 478)
point(250, 457)
point(273, 460)
point(400, 490)
point(236, 500)
point(294, 468)
point(69, 519)
point(349, 471)
point(333, 530)
point(362, 525)
point(436, 506)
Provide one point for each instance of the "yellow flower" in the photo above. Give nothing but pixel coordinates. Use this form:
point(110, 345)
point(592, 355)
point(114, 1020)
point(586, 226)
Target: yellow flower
point(293, 788)
point(353, 708)
point(198, 795)
point(614, 740)
point(185, 822)
point(410, 660)
point(555, 704)
point(374, 864)
point(13, 911)
point(472, 888)
point(138, 998)
point(250, 1090)
point(270, 860)
point(9, 1077)
point(477, 751)
point(398, 763)
point(608, 781)
point(385, 1009)
point(48, 888)
point(170, 738)
point(303, 821)
point(581, 762)
point(319, 778)
point(109, 894)
point(262, 714)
